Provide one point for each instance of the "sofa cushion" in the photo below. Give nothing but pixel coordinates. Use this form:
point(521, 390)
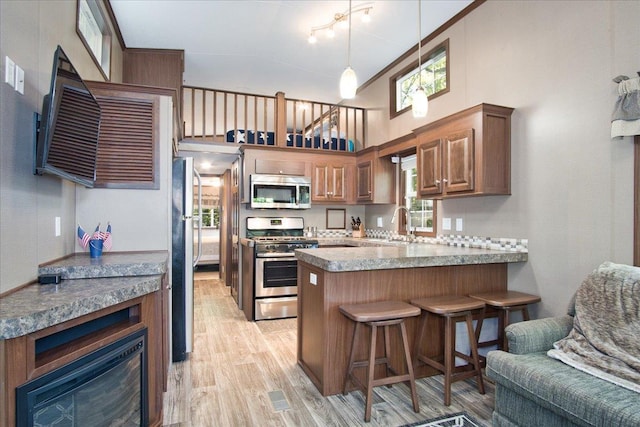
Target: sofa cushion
point(580, 397)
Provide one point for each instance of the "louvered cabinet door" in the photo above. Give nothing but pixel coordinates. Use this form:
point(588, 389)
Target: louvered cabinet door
point(128, 153)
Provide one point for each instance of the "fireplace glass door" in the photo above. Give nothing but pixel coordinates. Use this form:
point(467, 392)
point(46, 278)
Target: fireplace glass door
point(105, 388)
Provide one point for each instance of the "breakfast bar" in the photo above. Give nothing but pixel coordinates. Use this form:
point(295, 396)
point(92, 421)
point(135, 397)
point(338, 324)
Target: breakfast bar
point(365, 270)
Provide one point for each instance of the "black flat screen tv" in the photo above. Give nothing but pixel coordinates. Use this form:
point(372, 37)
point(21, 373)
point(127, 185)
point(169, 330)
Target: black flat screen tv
point(69, 127)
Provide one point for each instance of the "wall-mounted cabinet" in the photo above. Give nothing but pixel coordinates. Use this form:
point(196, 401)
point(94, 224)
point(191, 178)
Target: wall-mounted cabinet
point(468, 153)
point(446, 165)
point(330, 182)
point(375, 178)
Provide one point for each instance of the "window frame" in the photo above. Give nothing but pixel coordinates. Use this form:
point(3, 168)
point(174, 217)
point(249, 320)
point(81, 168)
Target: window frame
point(99, 16)
point(413, 66)
point(402, 224)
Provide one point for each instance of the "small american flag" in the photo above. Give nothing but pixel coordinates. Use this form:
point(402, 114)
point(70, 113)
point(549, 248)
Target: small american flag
point(83, 237)
point(106, 236)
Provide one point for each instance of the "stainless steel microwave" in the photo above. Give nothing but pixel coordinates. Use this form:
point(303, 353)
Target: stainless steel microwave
point(280, 192)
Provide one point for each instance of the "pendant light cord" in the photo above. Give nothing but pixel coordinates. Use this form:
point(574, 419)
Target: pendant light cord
point(349, 43)
point(419, 43)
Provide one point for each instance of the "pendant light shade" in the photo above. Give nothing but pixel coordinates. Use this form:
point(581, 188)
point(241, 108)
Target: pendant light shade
point(348, 80)
point(348, 84)
point(420, 101)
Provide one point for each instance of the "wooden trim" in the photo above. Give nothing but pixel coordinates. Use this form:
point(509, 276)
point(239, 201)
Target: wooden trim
point(441, 29)
point(127, 88)
point(114, 23)
point(636, 201)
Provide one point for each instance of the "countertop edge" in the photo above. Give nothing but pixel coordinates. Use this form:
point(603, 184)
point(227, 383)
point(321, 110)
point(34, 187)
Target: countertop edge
point(18, 326)
point(399, 262)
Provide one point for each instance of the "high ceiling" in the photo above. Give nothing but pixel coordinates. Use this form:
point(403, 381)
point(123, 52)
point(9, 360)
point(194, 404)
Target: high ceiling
point(261, 47)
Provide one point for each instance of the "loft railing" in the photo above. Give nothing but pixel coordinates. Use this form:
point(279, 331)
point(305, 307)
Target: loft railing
point(212, 115)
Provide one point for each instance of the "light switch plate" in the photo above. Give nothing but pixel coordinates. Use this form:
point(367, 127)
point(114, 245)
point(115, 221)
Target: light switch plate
point(19, 80)
point(57, 225)
point(9, 71)
point(458, 224)
point(379, 224)
point(446, 223)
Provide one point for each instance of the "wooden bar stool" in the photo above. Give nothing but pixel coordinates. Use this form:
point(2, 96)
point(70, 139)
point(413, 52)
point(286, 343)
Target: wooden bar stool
point(454, 309)
point(505, 302)
point(385, 314)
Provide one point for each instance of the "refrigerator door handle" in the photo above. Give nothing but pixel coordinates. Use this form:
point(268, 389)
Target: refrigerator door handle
point(198, 218)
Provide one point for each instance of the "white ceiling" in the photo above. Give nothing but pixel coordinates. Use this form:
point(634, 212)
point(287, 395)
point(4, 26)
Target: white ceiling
point(261, 47)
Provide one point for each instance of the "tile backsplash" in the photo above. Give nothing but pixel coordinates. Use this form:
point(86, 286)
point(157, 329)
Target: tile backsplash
point(495, 243)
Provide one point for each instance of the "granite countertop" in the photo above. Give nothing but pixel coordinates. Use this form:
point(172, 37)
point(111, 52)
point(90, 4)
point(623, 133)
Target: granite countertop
point(107, 281)
point(381, 255)
point(116, 264)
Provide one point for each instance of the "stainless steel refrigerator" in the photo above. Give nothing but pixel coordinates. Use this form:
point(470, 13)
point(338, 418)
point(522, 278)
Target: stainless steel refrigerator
point(186, 214)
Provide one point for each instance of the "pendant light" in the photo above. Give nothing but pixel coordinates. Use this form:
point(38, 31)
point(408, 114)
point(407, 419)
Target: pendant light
point(420, 101)
point(348, 80)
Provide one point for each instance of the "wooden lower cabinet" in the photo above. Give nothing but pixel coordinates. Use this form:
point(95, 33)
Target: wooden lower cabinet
point(21, 363)
point(324, 334)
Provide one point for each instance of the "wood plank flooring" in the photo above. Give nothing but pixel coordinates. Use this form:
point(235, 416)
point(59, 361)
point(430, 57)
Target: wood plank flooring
point(236, 364)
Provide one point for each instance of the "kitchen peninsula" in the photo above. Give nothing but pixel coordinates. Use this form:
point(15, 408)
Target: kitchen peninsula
point(366, 270)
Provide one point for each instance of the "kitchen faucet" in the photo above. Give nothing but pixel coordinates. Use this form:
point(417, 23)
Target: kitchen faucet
point(409, 229)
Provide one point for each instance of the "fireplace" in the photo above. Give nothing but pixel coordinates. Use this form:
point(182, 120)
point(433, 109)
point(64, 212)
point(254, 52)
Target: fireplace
point(107, 387)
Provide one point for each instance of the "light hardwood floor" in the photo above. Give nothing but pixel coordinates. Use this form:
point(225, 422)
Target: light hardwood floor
point(236, 364)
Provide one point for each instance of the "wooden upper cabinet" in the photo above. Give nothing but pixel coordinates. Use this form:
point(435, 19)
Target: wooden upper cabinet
point(375, 178)
point(364, 181)
point(153, 67)
point(459, 162)
point(429, 165)
point(468, 153)
point(328, 182)
point(446, 165)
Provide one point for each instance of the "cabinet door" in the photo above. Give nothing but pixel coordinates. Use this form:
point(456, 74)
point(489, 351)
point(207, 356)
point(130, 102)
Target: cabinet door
point(459, 162)
point(364, 181)
point(338, 181)
point(328, 183)
point(320, 183)
point(429, 165)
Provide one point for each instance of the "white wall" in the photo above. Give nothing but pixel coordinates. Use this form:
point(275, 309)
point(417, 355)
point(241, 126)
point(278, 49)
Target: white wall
point(29, 34)
point(572, 186)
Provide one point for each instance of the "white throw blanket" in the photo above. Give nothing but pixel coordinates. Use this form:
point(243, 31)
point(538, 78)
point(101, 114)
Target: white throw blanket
point(605, 339)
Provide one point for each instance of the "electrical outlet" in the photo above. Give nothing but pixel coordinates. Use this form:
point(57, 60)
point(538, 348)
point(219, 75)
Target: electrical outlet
point(9, 71)
point(446, 223)
point(313, 278)
point(458, 224)
point(379, 222)
point(58, 231)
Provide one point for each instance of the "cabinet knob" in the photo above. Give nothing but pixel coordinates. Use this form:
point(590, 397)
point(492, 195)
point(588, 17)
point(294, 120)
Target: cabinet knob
point(437, 182)
point(445, 180)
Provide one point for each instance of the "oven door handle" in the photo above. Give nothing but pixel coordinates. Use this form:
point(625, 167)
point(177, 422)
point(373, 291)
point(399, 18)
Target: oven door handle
point(277, 256)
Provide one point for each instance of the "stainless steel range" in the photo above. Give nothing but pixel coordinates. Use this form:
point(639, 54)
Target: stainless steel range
point(276, 267)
